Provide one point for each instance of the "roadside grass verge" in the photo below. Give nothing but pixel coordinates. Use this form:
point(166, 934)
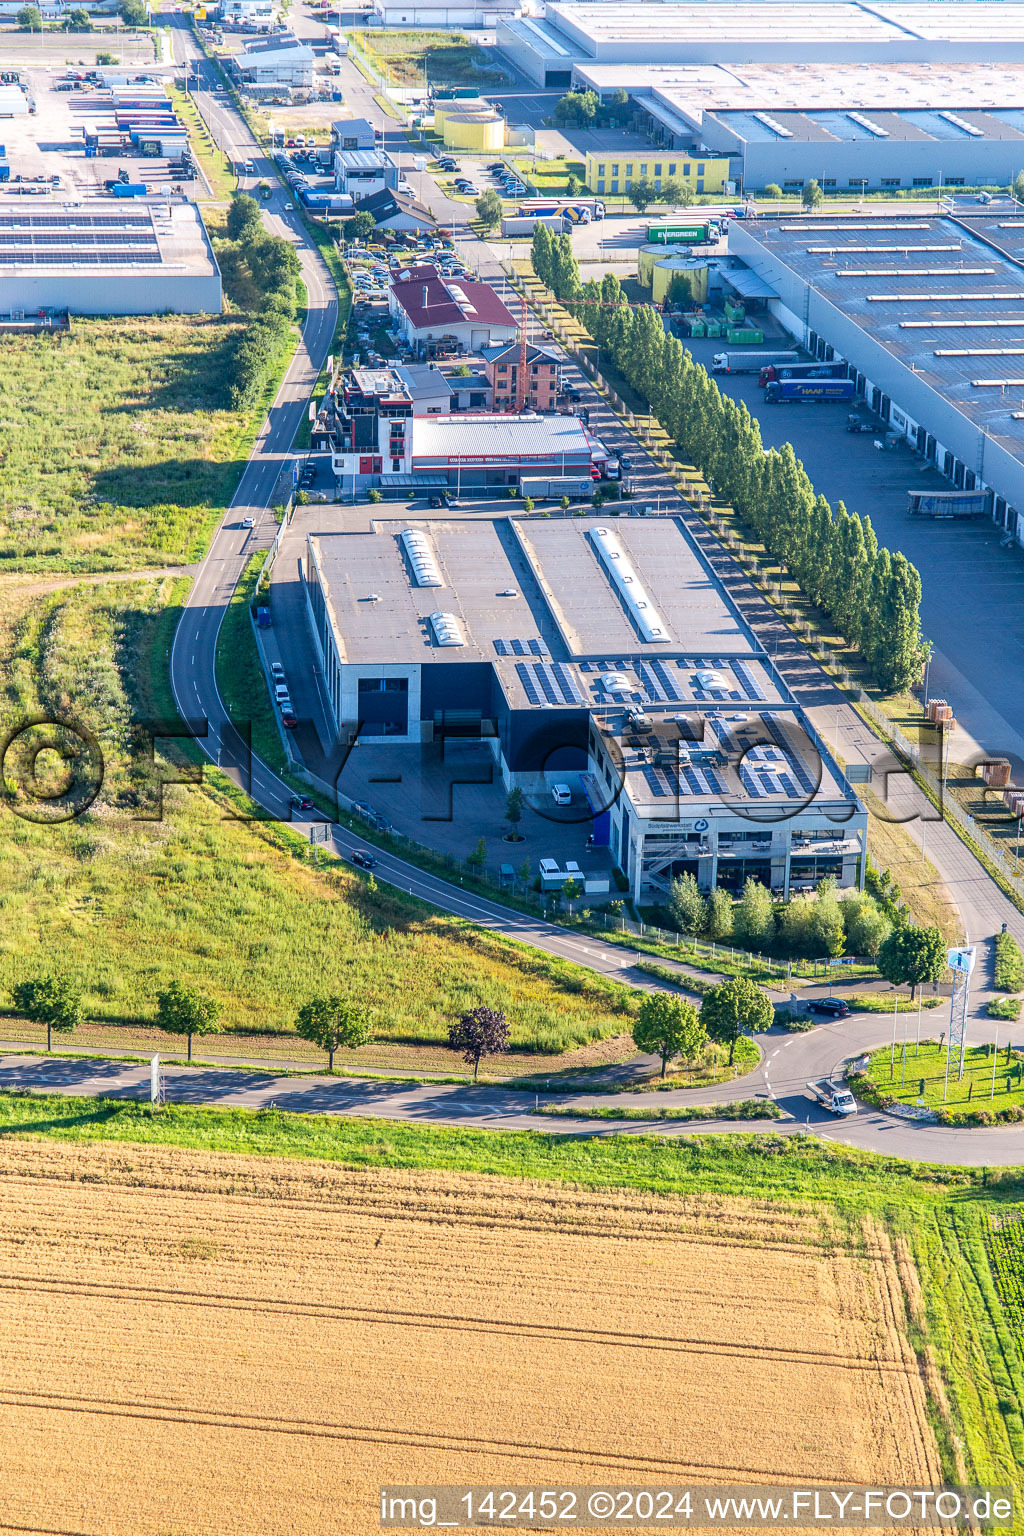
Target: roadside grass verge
point(240, 676)
point(216, 166)
point(738, 1109)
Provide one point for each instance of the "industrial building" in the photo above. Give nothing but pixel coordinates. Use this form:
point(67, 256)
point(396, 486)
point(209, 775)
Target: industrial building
point(610, 172)
point(573, 37)
point(385, 427)
point(928, 314)
point(435, 312)
point(602, 658)
point(878, 97)
point(281, 61)
point(109, 256)
point(468, 13)
point(362, 172)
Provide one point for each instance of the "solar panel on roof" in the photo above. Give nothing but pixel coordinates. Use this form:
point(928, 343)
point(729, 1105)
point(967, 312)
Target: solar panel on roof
point(501, 647)
point(528, 683)
point(544, 676)
point(747, 681)
point(665, 679)
point(518, 648)
point(567, 682)
point(749, 783)
point(653, 782)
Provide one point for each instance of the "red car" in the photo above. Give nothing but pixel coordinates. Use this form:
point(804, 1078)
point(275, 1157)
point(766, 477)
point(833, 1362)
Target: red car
point(288, 720)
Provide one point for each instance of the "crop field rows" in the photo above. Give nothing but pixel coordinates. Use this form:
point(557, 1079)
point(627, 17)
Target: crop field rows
point(1006, 1254)
point(196, 1342)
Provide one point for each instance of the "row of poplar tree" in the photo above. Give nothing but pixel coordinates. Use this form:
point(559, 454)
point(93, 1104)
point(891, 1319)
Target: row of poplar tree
point(871, 594)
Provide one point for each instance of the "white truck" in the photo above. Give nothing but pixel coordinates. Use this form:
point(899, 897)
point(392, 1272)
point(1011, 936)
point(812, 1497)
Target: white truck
point(750, 362)
point(834, 1096)
point(573, 486)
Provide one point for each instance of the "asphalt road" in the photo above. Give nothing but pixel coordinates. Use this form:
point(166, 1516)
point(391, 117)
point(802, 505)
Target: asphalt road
point(789, 1062)
point(195, 689)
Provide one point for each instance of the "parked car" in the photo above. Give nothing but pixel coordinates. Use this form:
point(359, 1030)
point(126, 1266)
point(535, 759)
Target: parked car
point(363, 859)
point(288, 719)
point(277, 671)
point(829, 1007)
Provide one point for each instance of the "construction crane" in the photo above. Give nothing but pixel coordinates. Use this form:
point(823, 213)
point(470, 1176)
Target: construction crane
point(521, 374)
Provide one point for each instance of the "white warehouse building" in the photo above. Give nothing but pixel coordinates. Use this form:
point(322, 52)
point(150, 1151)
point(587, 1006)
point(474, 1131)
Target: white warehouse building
point(110, 256)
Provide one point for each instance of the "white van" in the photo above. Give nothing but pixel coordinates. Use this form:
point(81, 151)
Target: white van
point(561, 794)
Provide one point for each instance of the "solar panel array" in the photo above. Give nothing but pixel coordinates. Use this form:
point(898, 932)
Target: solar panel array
point(768, 767)
point(547, 683)
point(77, 239)
point(657, 682)
point(535, 647)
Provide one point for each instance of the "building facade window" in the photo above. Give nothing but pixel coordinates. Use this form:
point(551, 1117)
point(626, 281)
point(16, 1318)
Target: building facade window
point(923, 181)
point(892, 181)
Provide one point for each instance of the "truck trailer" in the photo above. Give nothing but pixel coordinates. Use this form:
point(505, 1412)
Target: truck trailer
point(808, 391)
point(749, 362)
point(572, 486)
point(801, 371)
point(833, 1095)
point(525, 224)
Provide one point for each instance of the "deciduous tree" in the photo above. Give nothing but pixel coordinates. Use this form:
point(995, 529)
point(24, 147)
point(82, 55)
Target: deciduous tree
point(53, 1000)
point(183, 1010)
point(686, 905)
point(911, 956)
point(477, 1033)
point(735, 1007)
point(333, 1024)
point(668, 1026)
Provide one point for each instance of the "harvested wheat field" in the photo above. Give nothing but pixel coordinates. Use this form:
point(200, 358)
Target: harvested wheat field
point(204, 1345)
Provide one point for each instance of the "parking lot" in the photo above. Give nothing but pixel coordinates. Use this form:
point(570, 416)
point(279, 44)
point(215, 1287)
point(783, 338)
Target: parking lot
point(970, 606)
point(49, 142)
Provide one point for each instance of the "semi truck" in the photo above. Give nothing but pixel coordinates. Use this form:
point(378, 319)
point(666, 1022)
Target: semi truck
point(809, 391)
point(802, 371)
point(692, 232)
point(579, 210)
point(572, 486)
point(833, 1095)
point(525, 224)
point(749, 362)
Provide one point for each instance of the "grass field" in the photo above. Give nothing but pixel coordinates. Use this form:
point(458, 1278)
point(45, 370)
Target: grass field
point(291, 1337)
point(434, 58)
point(974, 1089)
point(235, 907)
point(127, 468)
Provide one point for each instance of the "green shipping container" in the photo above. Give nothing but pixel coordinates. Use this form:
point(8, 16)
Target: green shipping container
point(747, 336)
point(696, 327)
point(712, 328)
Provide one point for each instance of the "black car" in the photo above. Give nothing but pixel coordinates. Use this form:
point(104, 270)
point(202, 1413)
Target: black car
point(301, 803)
point(435, 501)
point(829, 1007)
point(363, 859)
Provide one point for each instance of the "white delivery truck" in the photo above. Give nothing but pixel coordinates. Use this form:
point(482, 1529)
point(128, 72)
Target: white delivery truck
point(834, 1096)
point(750, 362)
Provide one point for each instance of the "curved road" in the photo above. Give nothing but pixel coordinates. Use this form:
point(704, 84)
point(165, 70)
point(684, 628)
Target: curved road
point(789, 1059)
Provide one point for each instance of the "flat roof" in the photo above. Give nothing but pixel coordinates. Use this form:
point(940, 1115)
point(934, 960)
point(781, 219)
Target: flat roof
point(106, 233)
point(488, 436)
point(944, 296)
point(902, 87)
point(505, 583)
point(591, 617)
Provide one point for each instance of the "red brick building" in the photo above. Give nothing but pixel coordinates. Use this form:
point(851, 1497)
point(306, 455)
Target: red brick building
point(501, 365)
